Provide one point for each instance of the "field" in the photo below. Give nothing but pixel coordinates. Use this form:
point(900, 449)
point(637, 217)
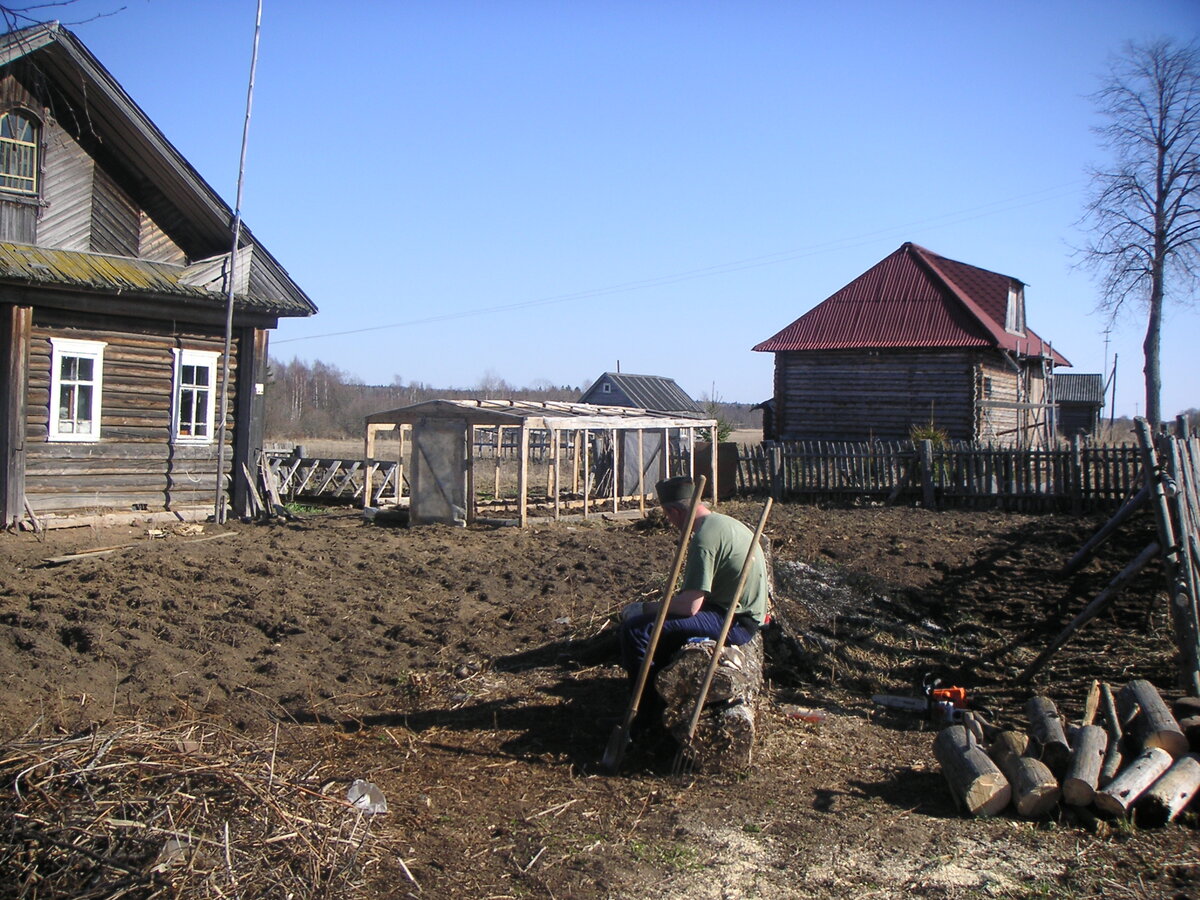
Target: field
point(228, 686)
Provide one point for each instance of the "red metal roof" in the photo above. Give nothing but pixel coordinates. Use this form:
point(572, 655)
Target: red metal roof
point(913, 299)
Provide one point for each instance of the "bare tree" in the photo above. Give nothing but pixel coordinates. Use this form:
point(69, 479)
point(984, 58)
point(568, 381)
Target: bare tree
point(1144, 208)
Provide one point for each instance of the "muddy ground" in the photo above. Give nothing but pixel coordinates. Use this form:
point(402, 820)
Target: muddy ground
point(427, 661)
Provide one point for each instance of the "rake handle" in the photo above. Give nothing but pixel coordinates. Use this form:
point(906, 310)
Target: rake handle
point(727, 623)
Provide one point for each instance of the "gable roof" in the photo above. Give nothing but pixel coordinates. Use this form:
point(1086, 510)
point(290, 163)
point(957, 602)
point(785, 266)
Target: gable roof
point(654, 392)
point(1088, 389)
point(84, 96)
point(913, 298)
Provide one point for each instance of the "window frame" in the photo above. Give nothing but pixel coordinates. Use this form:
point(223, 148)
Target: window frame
point(206, 359)
point(35, 146)
point(61, 348)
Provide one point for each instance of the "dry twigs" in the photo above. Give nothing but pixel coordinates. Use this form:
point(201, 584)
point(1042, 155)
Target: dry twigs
point(189, 811)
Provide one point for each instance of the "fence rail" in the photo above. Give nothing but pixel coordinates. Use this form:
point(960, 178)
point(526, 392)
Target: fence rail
point(1077, 477)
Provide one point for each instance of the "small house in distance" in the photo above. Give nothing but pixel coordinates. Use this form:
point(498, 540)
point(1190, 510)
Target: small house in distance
point(653, 392)
point(1080, 403)
point(115, 272)
point(916, 340)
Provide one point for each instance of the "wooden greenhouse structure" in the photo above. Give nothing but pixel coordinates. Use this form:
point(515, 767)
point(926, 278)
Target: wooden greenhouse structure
point(438, 440)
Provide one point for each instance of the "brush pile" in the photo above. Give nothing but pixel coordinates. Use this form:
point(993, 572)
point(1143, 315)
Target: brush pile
point(1141, 764)
point(187, 811)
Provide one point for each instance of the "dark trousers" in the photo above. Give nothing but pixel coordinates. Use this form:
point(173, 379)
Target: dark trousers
point(635, 637)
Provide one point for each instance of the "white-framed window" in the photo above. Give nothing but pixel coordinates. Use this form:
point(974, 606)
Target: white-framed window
point(606, 388)
point(76, 383)
point(18, 152)
point(194, 396)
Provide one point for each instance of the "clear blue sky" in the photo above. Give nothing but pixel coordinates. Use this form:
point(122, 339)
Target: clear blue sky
point(537, 190)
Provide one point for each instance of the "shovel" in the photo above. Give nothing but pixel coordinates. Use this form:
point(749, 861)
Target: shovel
point(726, 624)
point(619, 740)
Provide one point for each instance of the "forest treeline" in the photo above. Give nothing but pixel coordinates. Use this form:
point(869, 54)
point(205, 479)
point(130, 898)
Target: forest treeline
point(318, 400)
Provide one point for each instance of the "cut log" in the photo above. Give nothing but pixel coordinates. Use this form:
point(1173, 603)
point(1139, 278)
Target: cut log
point(1168, 796)
point(1154, 725)
point(976, 782)
point(1046, 731)
point(1008, 743)
point(1117, 797)
point(1087, 759)
point(1035, 791)
point(1091, 705)
point(724, 736)
point(1112, 725)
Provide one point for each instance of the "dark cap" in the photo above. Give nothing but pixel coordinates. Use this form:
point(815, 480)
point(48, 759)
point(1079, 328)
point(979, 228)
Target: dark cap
point(675, 490)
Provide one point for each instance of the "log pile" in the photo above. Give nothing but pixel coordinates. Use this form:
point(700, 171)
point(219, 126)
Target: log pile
point(724, 738)
point(1142, 763)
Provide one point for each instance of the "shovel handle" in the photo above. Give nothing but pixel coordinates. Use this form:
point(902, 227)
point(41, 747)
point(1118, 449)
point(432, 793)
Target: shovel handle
point(664, 607)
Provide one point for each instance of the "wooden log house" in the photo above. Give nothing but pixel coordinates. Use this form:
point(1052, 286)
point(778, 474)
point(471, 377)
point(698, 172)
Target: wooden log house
point(115, 269)
point(916, 340)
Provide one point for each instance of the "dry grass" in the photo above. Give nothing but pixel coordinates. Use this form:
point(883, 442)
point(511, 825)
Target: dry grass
point(183, 811)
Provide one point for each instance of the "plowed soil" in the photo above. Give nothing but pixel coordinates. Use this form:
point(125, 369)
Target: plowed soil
point(429, 662)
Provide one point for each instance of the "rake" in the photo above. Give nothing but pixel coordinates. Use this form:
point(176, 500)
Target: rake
point(619, 739)
point(685, 747)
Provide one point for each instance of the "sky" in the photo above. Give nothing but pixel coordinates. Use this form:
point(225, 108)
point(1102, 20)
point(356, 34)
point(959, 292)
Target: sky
point(542, 191)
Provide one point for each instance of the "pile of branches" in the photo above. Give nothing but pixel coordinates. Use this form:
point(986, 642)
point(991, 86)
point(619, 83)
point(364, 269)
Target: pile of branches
point(183, 811)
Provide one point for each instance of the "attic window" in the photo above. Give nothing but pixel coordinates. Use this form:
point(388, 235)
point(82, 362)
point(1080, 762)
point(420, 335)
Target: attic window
point(18, 153)
point(606, 388)
point(1014, 319)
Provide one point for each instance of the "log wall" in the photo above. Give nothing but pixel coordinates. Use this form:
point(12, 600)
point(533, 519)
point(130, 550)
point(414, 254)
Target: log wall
point(864, 395)
point(134, 462)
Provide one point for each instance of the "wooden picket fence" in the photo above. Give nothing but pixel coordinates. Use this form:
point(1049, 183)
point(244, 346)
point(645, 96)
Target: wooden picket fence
point(1077, 477)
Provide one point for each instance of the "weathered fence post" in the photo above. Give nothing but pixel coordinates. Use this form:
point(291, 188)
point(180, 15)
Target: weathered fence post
point(927, 474)
point(775, 454)
point(1076, 475)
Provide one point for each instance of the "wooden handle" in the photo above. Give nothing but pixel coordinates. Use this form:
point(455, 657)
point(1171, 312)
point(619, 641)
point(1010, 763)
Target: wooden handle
point(648, 660)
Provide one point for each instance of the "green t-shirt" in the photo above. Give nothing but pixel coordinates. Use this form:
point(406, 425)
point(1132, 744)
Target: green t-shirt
point(714, 562)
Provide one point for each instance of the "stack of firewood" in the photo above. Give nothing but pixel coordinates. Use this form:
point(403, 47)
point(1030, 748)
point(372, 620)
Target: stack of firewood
point(1142, 762)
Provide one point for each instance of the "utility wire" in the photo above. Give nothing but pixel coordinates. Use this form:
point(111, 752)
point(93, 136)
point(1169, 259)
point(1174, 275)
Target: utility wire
point(942, 221)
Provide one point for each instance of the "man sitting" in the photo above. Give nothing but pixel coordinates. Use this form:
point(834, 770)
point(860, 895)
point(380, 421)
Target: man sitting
point(715, 558)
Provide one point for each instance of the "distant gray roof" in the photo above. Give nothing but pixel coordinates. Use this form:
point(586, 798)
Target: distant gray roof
point(1079, 389)
point(653, 392)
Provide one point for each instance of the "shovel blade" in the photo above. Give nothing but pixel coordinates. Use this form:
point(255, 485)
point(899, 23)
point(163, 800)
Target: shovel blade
point(615, 751)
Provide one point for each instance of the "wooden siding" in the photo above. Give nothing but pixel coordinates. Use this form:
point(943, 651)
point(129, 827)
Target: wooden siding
point(154, 244)
point(997, 393)
point(864, 395)
point(116, 225)
point(18, 221)
point(134, 462)
point(66, 222)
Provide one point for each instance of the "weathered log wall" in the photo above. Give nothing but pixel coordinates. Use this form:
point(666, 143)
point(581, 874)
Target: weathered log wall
point(860, 395)
point(134, 462)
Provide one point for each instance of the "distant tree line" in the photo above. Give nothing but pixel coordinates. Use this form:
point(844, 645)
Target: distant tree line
point(318, 400)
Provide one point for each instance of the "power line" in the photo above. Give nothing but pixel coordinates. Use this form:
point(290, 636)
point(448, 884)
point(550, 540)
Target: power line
point(770, 259)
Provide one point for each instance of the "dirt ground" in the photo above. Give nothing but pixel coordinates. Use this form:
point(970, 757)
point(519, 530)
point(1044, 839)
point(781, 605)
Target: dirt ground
point(427, 661)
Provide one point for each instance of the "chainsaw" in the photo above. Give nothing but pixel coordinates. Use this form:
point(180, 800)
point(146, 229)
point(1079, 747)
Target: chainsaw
point(945, 704)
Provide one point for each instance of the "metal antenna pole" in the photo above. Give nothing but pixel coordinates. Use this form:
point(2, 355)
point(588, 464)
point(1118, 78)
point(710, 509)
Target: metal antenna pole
point(219, 501)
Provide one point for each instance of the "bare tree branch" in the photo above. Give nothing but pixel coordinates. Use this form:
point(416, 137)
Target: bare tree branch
point(1144, 209)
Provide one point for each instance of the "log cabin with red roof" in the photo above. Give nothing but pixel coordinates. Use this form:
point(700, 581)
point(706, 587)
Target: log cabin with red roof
point(916, 340)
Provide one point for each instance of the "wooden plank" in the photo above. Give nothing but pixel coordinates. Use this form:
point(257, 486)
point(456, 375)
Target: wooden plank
point(15, 324)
